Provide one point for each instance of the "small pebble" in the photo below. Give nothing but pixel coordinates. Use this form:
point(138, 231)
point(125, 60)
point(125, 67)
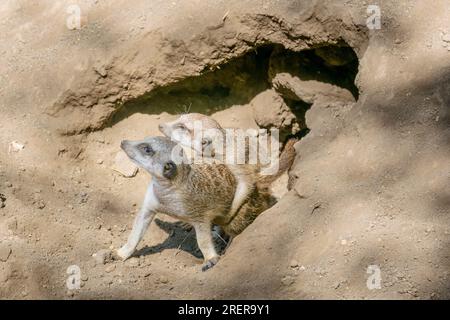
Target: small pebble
point(110, 268)
point(287, 280)
point(102, 256)
point(40, 204)
point(294, 264)
point(163, 279)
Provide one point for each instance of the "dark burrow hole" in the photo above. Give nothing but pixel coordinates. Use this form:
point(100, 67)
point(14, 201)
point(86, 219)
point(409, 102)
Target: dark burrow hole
point(239, 80)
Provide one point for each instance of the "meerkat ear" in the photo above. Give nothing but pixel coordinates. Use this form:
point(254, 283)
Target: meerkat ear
point(169, 169)
point(178, 155)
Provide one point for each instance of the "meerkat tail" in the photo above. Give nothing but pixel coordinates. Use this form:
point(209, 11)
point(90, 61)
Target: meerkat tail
point(287, 157)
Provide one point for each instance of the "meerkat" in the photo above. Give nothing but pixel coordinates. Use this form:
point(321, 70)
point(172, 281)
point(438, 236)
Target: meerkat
point(248, 176)
point(199, 194)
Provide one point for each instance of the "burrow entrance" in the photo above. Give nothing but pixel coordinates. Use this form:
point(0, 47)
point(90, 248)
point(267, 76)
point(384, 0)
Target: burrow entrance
point(267, 87)
point(278, 84)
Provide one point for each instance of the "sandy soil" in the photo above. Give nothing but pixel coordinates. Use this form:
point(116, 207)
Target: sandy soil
point(370, 185)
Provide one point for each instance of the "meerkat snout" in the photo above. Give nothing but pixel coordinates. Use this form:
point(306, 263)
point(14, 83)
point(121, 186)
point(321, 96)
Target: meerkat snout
point(124, 144)
point(129, 148)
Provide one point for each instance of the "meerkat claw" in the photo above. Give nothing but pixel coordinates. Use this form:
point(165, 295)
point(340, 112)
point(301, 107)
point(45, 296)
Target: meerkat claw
point(209, 264)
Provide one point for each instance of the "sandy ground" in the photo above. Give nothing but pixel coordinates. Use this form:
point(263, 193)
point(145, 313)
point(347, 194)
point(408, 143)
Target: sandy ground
point(370, 186)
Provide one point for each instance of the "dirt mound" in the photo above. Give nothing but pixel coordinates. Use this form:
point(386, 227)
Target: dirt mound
point(367, 214)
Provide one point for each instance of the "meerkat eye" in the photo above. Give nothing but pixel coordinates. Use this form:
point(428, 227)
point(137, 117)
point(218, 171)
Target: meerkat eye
point(147, 149)
point(205, 142)
point(181, 126)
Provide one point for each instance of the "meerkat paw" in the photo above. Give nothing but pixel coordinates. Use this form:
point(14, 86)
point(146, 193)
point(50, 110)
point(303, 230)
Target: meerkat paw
point(210, 263)
point(124, 253)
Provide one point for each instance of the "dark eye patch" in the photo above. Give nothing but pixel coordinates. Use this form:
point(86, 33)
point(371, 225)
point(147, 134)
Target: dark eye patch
point(169, 170)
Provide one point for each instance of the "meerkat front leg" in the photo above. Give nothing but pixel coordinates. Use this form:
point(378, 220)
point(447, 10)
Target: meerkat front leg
point(140, 225)
point(206, 244)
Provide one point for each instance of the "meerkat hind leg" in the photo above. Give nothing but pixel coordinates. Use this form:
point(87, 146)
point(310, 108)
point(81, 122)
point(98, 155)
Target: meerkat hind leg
point(206, 244)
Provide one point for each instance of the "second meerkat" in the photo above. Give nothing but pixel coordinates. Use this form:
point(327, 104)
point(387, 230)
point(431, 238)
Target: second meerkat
point(248, 176)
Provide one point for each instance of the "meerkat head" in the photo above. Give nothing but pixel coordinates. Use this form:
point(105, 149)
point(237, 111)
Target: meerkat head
point(160, 156)
point(193, 130)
